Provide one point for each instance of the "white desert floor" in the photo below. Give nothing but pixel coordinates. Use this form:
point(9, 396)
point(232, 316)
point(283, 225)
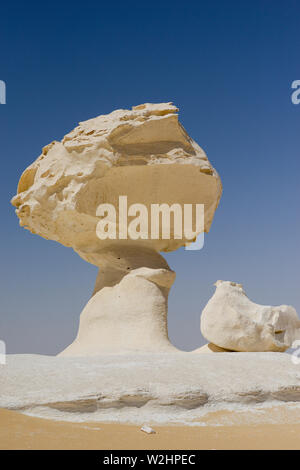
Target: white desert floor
point(169, 388)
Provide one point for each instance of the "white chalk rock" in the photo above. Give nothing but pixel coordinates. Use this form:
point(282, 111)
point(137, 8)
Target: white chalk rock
point(231, 321)
point(148, 430)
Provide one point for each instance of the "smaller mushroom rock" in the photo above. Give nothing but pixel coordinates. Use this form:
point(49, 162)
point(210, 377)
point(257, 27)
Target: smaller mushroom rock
point(232, 321)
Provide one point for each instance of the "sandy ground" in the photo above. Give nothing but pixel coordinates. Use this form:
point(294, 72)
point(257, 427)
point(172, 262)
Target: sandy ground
point(18, 431)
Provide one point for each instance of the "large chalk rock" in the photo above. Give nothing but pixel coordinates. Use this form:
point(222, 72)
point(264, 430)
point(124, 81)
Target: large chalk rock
point(231, 321)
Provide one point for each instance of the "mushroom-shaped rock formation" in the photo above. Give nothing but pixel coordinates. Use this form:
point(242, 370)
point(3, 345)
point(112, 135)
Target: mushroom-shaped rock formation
point(231, 321)
point(138, 159)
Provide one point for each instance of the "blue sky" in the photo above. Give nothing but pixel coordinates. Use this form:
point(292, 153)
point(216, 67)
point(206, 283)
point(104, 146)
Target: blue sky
point(228, 66)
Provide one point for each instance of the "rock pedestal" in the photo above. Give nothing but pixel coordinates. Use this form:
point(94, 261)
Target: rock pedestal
point(128, 310)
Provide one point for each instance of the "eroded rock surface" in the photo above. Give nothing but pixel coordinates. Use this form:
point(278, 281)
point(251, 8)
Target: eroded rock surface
point(151, 388)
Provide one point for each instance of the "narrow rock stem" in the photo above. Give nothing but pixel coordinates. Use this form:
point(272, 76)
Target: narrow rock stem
point(128, 309)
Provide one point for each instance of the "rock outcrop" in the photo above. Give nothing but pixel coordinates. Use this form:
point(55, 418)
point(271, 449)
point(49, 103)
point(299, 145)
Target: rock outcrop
point(231, 321)
point(149, 388)
point(147, 156)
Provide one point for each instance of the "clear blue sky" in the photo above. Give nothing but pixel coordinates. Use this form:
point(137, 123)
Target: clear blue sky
point(228, 66)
